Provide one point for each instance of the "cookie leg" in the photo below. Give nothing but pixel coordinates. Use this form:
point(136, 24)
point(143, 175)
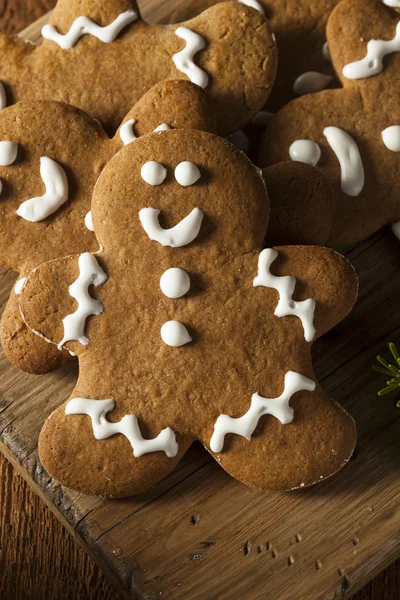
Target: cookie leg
point(71, 453)
point(23, 348)
point(316, 444)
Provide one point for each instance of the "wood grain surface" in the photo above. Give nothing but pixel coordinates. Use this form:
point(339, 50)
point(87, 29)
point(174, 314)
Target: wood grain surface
point(39, 559)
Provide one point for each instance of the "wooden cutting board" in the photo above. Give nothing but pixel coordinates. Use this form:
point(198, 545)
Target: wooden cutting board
point(202, 535)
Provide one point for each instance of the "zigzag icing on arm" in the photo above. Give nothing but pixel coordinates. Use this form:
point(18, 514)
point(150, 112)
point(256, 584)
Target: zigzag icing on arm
point(56, 194)
point(127, 426)
point(285, 286)
point(182, 234)
point(260, 406)
point(84, 26)
point(184, 60)
point(90, 273)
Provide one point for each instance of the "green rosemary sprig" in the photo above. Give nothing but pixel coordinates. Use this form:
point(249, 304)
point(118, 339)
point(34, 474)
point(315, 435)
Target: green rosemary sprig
point(393, 370)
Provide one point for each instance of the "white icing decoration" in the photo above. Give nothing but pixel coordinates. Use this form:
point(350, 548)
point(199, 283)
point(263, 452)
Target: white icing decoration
point(262, 118)
point(175, 283)
point(19, 286)
point(311, 82)
point(183, 60)
point(126, 132)
point(392, 3)
point(391, 138)
point(89, 221)
point(3, 98)
point(325, 52)
point(56, 194)
point(396, 229)
point(8, 153)
point(372, 63)
point(127, 426)
point(253, 4)
point(351, 166)
point(84, 26)
point(175, 334)
point(277, 407)
point(187, 173)
point(305, 151)
point(90, 273)
point(239, 139)
point(285, 286)
point(153, 173)
point(182, 234)
point(1, 186)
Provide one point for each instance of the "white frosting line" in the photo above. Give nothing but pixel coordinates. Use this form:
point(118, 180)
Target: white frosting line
point(183, 60)
point(89, 221)
point(175, 334)
point(285, 286)
point(372, 63)
point(182, 234)
point(19, 286)
point(126, 132)
point(391, 138)
point(239, 139)
point(260, 406)
point(8, 153)
point(83, 26)
point(153, 172)
point(127, 426)
point(3, 98)
point(396, 229)
point(90, 273)
point(175, 283)
point(351, 166)
point(187, 173)
point(162, 127)
point(56, 194)
point(253, 4)
point(311, 82)
point(305, 151)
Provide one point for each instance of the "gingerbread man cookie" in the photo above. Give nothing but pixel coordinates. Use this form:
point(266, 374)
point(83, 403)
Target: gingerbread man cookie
point(102, 58)
point(352, 134)
point(186, 330)
point(51, 155)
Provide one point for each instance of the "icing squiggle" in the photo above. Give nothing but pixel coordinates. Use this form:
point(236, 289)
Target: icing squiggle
point(127, 135)
point(285, 286)
point(183, 60)
point(56, 194)
point(127, 426)
point(372, 63)
point(351, 167)
point(182, 234)
point(84, 26)
point(260, 406)
point(90, 273)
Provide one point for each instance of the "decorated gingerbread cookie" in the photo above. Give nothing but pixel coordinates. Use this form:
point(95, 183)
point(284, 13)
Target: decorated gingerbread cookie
point(102, 58)
point(352, 134)
point(51, 155)
point(186, 329)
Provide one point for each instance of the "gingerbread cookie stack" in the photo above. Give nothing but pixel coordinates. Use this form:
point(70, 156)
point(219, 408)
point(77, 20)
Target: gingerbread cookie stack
point(189, 283)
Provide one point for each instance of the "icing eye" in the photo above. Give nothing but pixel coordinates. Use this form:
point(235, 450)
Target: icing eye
point(187, 173)
point(305, 151)
point(153, 173)
point(8, 153)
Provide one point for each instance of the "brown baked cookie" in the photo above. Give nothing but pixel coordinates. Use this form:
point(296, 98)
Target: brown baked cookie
point(54, 153)
point(302, 205)
point(351, 134)
point(193, 337)
point(102, 58)
point(299, 26)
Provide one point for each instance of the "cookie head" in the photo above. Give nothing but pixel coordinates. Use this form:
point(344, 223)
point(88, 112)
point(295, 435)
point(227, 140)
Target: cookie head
point(180, 187)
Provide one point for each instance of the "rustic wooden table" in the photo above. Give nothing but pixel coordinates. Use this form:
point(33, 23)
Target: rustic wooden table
point(38, 557)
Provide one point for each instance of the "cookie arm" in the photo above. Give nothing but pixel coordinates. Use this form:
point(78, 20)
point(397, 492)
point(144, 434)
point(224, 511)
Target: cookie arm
point(58, 301)
point(169, 105)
